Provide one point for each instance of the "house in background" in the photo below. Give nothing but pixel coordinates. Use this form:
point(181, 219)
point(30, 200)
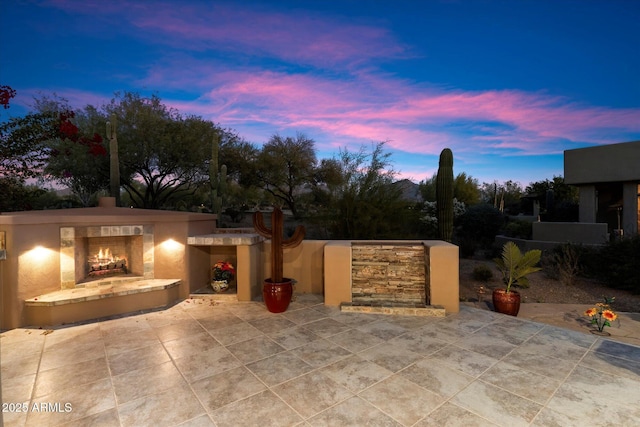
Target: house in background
point(608, 181)
point(608, 178)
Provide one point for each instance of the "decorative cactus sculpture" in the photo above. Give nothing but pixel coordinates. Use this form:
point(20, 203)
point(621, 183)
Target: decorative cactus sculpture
point(218, 178)
point(114, 164)
point(277, 242)
point(444, 195)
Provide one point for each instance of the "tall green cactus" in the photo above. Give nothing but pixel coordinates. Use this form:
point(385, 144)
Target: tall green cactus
point(218, 178)
point(277, 242)
point(444, 195)
point(114, 164)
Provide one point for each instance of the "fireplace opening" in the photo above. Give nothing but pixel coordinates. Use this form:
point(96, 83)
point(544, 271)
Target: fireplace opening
point(108, 256)
point(103, 254)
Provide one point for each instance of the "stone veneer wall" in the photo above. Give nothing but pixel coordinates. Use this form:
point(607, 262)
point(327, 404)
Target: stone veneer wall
point(390, 272)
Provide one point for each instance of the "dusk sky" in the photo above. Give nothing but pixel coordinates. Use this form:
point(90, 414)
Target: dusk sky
point(507, 85)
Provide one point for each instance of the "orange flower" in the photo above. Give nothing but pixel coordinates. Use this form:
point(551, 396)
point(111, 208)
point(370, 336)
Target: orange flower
point(591, 312)
point(609, 315)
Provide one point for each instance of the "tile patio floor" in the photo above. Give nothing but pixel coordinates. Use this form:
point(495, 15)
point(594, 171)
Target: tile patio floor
point(235, 364)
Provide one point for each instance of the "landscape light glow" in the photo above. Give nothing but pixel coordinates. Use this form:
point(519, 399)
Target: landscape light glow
point(171, 245)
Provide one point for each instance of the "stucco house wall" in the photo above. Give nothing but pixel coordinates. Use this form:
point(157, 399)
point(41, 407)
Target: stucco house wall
point(608, 178)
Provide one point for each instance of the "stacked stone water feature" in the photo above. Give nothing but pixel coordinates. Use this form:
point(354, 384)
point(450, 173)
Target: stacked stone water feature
point(388, 272)
point(390, 278)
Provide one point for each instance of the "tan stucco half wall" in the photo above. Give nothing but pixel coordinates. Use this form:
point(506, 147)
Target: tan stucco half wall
point(443, 264)
point(337, 272)
point(36, 248)
point(304, 264)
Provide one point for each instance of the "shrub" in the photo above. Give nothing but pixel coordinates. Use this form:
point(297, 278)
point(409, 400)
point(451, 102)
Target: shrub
point(617, 264)
point(235, 214)
point(565, 260)
point(482, 273)
point(493, 251)
point(467, 248)
point(519, 229)
point(481, 223)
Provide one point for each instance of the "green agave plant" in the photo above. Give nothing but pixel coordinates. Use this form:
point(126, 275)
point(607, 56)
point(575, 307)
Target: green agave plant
point(516, 266)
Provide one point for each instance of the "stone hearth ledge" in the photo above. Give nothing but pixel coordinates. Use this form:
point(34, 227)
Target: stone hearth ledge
point(405, 309)
point(89, 293)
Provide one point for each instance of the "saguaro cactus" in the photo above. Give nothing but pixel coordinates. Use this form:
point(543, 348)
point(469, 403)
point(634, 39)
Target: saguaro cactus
point(444, 195)
point(277, 241)
point(217, 178)
point(114, 164)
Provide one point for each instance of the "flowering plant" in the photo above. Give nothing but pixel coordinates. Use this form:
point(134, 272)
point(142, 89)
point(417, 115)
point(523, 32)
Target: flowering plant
point(602, 315)
point(223, 271)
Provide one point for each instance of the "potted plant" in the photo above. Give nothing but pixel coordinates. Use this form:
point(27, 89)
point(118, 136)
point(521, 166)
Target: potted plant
point(277, 290)
point(223, 273)
point(515, 267)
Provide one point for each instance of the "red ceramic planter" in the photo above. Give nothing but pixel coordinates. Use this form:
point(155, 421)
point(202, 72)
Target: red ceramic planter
point(506, 302)
point(277, 296)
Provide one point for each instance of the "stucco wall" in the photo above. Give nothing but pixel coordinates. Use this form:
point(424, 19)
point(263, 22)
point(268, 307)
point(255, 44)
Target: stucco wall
point(605, 163)
point(33, 261)
point(304, 263)
point(574, 232)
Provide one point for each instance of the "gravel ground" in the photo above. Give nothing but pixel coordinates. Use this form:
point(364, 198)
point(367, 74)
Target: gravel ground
point(545, 289)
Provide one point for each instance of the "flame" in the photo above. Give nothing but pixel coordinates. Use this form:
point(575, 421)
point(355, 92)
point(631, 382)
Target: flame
point(105, 255)
point(105, 261)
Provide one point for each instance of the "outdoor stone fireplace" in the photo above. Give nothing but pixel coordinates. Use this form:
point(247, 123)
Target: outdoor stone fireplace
point(54, 274)
point(100, 253)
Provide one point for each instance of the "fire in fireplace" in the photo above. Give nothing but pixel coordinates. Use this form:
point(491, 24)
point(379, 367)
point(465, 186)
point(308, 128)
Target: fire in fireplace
point(96, 253)
point(105, 263)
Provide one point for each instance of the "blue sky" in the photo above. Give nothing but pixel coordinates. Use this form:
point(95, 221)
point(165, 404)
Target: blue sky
point(507, 85)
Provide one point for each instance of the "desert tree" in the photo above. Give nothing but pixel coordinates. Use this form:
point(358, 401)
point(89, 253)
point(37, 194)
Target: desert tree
point(165, 151)
point(284, 167)
point(360, 200)
point(465, 189)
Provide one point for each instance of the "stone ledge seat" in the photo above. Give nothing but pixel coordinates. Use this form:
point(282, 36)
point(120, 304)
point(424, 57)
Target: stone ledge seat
point(102, 300)
point(225, 239)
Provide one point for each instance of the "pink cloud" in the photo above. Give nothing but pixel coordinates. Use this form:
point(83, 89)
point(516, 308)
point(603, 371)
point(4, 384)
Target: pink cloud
point(411, 119)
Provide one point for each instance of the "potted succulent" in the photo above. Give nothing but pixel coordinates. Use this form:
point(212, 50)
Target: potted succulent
point(515, 267)
point(223, 273)
point(277, 290)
